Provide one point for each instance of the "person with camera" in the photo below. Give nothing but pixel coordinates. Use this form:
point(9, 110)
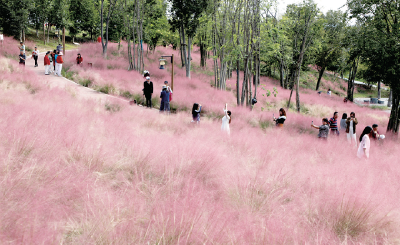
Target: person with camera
point(35, 56)
point(196, 109)
point(226, 120)
point(148, 91)
point(281, 119)
point(323, 129)
point(351, 123)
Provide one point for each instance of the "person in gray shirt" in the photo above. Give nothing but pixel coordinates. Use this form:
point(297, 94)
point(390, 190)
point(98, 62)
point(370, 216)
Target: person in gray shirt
point(323, 129)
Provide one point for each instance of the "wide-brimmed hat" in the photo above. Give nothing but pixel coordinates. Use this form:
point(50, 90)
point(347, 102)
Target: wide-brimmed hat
point(148, 78)
point(164, 86)
point(60, 53)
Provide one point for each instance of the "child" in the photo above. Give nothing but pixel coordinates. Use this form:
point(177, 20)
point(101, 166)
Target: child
point(323, 129)
point(35, 56)
point(47, 64)
point(79, 59)
point(22, 58)
point(196, 113)
point(59, 64)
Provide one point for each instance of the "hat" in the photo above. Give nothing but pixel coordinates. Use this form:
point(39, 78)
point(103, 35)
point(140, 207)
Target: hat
point(165, 82)
point(148, 78)
point(60, 53)
point(164, 86)
point(145, 71)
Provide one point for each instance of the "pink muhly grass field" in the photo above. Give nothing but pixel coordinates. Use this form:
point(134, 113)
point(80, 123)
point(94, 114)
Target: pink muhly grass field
point(76, 173)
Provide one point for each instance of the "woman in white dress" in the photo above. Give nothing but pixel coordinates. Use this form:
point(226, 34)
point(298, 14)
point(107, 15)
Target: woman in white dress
point(226, 120)
point(365, 143)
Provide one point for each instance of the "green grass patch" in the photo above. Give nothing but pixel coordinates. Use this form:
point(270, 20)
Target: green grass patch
point(112, 107)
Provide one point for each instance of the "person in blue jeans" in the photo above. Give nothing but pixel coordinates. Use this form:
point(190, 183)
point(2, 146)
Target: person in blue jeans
point(196, 113)
point(164, 106)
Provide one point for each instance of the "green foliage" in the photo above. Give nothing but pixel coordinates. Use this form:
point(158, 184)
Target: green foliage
point(14, 16)
point(112, 107)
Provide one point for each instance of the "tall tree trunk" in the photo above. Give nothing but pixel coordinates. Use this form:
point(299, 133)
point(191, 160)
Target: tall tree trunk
point(321, 73)
point(350, 81)
point(393, 124)
point(44, 32)
point(389, 104)
point(188, 57)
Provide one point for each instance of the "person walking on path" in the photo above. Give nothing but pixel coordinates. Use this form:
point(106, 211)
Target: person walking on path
point(47, 64)
point(351, 123)
point(35, 56)
point(22, 58)
point(365, 143)
point(164, 105)
point(21, 47)
point(53, 55)
point(79, 59)
point(226, 120)
point(196, 113)
point(281, 119)
point(59, 47)
point(343, 124)
point(59, 64)
point(148, 91)
point(333, 124)
point(323, 129)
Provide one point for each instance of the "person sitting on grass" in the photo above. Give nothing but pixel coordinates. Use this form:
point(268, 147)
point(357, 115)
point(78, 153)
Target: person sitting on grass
point(329, 92)
point(22, 58)
point(345, 100)
point(365, 143)
point(79, 59)
point(196, 113)
point(281, 119)
point(323, 129)
point(376, 135)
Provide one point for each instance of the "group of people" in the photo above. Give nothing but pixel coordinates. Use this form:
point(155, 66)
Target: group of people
point(165, 95)
point(53, 60)
point(348, 125)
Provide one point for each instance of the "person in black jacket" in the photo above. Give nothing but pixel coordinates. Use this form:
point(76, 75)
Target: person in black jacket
point(148, 91)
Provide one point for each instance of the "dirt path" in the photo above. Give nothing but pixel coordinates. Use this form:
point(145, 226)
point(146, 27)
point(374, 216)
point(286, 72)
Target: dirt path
point(63, 83)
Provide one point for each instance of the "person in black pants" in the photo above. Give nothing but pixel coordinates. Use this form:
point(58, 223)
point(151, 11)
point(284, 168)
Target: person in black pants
point(148, 91)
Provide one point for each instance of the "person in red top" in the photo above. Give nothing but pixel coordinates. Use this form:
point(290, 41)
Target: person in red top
point(99, 39)
point(47, 63)
point(60, 61)
point(79, 59)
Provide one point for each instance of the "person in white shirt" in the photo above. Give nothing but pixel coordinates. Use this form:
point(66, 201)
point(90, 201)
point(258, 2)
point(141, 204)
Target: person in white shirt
point(21, 47)
point(1, 39)
point(365, 143)
point(226, 120)
point(35, 56)
point(329, 92)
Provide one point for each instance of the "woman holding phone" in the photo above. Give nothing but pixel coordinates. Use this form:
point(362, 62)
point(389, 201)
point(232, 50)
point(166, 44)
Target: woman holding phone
point(281, 119)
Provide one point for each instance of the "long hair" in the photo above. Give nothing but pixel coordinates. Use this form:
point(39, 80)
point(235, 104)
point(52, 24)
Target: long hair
point(366, 130)
point(195, 106)
point(353, 114)
point(230, 117)
point(283, 112)
point(344, 116)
